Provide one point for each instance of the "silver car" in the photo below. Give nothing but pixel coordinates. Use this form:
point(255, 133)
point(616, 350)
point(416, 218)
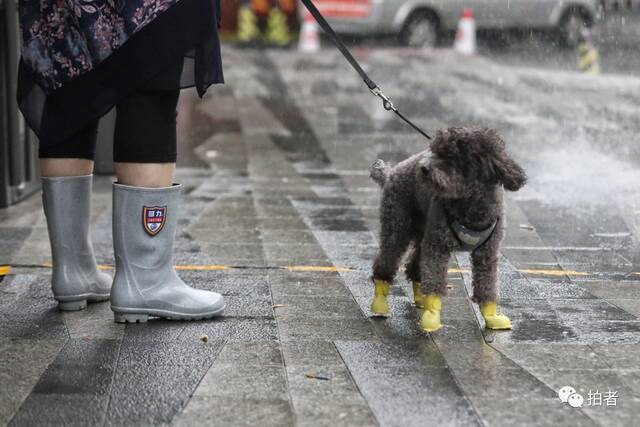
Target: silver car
point(419, 22)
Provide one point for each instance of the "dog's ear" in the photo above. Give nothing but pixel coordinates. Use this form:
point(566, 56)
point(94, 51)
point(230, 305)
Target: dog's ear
point(508, 172)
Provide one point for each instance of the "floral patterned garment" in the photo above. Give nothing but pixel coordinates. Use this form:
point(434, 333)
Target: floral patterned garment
point(63, 39)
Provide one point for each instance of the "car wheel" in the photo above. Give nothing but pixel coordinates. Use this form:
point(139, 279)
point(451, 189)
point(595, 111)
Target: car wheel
point(572, 24)
point(421, 30)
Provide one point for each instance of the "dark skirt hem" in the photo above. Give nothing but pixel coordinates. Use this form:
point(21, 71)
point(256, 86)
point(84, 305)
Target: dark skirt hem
point(184, 35)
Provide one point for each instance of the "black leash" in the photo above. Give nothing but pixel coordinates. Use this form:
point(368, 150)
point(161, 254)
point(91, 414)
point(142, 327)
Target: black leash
point(386, 102)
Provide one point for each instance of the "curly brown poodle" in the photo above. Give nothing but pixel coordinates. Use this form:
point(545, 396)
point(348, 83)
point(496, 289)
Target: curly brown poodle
point(446, 199)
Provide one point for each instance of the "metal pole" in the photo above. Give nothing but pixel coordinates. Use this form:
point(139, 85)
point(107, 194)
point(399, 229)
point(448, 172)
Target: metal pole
point(4, 134)
point(16, 144)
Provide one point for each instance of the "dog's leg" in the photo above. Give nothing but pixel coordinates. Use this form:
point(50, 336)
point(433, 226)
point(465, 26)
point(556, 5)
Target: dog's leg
point(433, 272)
point(412, 272)
point(484, 262)
point(395, 236)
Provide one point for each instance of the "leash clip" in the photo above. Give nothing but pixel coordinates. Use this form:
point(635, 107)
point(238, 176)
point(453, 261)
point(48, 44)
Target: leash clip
point(386, 102)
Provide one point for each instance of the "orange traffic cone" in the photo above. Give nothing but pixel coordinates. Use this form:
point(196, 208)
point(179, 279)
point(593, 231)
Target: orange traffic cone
point(466, 36)
point(309, 38)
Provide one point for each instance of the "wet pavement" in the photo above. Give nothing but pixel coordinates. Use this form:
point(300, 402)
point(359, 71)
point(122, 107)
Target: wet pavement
point(279, 215)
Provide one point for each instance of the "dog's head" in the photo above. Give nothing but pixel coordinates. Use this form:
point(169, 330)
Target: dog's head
point(467, 161)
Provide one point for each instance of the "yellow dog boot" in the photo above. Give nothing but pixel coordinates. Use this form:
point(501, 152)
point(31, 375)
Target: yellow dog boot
point(492, 319)
point(430, 320)
point(379, 305)
point(418, 296)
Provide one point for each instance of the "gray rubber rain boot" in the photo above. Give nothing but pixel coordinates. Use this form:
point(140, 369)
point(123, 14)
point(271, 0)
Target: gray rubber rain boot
point(146, 283)
point(75, 279)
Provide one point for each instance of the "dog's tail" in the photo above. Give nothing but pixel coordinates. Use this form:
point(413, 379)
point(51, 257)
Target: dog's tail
point(379, 171)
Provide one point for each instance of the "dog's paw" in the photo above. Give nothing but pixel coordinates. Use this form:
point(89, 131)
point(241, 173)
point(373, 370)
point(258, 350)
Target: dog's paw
point(380, 305)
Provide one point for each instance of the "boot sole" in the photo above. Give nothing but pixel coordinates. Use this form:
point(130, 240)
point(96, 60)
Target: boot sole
point(132, 315)
point(79, 302)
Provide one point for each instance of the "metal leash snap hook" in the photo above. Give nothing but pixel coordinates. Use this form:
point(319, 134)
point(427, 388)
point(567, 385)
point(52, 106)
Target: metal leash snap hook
point(386, 102)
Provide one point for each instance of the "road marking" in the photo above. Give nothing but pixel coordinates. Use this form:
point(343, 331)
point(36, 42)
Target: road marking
point(203, 267)
point(7, 269)
point(558, 248)
point(316, 268)
point(620, 234)
point(553, 272)
point(538, 272)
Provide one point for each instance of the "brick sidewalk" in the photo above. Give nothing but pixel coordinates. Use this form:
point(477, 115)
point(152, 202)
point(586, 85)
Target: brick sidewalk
point(282, 220)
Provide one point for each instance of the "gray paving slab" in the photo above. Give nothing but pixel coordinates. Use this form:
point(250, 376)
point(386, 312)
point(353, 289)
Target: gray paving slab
point(540, 412)
point(607, 289)
point(249, 382)
point(61, 409)
point(324, 328)
point(153, 331)
point(231, 283)
point(631, 379)
point(83, 369)
point(307, 285)
point(606, 331)
point(622, 414)
point(83, 366)
point(27, 214)
point(19, 374)
point(232, 329)
point(244, 373)
point(631, 306)
point(317, 306)
point(326, 385)
point(554, 356)
point(422, 387)
point(572, 310)
point(620, 356)
point(12, 240)
point(153, 381)
point(317, 412)
point(321, 387)
point(96, 322)
point(224, 411)
point(28, 310)
point(311, 353)
point(255, 353)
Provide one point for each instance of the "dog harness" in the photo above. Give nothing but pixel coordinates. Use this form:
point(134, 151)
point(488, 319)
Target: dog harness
point(469, 239)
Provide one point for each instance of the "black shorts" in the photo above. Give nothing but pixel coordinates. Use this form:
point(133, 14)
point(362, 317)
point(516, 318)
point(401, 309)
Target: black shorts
point(145, 129)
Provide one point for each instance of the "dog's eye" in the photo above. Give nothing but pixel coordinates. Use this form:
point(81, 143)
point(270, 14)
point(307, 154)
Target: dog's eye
point(425, 170)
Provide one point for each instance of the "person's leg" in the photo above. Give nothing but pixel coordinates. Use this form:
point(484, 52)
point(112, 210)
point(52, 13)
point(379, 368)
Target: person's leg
point(66, 169)
point(72, 157)
point(145, 204)
point(145, 139)
point(51, 168)
point(145, 174)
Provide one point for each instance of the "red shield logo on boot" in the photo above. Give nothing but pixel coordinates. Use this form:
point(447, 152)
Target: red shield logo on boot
point(153, 219)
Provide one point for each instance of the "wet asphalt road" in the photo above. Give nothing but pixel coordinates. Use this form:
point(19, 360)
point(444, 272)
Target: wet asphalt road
point(280, 216)
point(617, 40)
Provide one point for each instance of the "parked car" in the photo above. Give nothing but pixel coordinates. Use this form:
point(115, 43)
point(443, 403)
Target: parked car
point(419, 22)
